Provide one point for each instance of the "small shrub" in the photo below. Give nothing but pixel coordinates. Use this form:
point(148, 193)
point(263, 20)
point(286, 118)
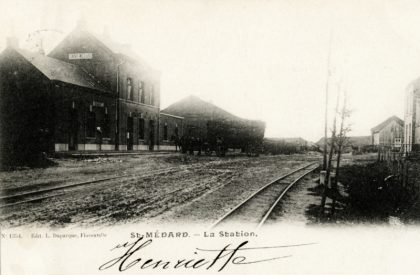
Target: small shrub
point(373, 190)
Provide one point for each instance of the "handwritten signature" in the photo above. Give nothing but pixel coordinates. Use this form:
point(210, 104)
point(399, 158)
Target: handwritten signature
point(216, 258)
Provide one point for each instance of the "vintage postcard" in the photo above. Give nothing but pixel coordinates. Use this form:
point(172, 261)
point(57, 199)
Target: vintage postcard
point(209, 137)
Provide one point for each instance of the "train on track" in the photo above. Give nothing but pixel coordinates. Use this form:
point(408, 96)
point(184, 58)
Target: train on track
point(219, 136)
point(208, 128)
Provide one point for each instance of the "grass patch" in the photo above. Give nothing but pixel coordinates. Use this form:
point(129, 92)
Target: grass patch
point(373, 195)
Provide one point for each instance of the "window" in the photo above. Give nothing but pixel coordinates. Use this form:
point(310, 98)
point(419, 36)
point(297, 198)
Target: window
point(397, 142)
point(129, 89)
point(141, 128)
point(165, 131)
point(106, 130)
point(91, 124)
point(141, 92)
point(176, 130)
point(152, 96)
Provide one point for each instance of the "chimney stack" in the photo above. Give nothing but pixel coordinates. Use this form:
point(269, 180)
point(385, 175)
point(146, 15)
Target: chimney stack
point(12, 42)
point(41, 46)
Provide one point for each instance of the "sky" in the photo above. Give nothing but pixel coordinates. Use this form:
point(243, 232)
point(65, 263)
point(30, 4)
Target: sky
point(264, 60)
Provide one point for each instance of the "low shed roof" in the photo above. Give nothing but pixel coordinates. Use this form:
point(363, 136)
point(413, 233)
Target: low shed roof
point(55, 69)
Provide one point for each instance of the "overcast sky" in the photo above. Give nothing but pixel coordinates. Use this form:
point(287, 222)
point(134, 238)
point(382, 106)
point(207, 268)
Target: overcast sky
point(257, 59)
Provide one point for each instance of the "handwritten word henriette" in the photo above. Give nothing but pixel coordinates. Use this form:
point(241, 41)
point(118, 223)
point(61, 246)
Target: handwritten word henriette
point(217, 259)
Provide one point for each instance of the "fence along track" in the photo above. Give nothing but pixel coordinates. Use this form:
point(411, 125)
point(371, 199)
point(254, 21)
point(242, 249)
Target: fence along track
point(257, 208)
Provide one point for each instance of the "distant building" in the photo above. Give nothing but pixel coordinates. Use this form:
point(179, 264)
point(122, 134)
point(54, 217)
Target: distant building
point(287, 145)
point(354, 143)
point(389, 133)
point(412, 117)
point(299, 142)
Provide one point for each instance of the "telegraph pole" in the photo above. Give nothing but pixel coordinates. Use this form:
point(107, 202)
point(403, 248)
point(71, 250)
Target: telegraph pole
point(324, 166)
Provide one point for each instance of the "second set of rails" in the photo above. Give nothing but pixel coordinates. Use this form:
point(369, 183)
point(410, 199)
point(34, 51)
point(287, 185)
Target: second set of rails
point(254, 211)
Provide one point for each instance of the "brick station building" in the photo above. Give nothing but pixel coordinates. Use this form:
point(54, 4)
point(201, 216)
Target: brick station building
point(89, 93)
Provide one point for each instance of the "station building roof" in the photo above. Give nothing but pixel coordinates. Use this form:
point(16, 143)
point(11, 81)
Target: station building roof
point(104, 40)
point(58, 70)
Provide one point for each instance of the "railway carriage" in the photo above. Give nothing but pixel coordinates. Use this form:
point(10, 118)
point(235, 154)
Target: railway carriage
point(220, 135)
point(209, 128)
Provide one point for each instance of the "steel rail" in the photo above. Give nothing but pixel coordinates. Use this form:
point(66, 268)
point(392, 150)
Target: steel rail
point(43, 191)
point(69, 186)
point(5, 190)
point(252, 196)
point(266, 216)
point(63, 187)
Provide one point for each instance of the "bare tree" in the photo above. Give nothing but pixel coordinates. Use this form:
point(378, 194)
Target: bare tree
point(327, 85)
point(341, 141)
point(330, 155)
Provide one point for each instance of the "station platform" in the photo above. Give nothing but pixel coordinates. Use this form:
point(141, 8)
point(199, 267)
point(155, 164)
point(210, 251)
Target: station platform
point(95, 154)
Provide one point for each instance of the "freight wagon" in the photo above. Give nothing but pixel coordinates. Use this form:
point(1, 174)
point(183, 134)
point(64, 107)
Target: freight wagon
point(220, 135)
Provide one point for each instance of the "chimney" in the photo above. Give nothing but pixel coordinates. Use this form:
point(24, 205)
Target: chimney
point(41, 46)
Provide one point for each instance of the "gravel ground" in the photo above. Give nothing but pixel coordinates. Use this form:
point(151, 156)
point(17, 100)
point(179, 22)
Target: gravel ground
point(159, 188)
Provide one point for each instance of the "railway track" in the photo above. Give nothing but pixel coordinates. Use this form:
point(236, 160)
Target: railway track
point(39, 195)
point(257, 209)
point(15, 196)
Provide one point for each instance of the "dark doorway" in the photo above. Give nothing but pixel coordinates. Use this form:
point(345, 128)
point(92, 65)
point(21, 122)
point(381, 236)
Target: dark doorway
point(74, 130)
point(130, 133)
point(151, 135)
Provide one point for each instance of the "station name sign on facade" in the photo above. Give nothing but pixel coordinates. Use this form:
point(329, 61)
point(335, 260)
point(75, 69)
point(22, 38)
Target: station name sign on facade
point(80, 55)
point(98, 104)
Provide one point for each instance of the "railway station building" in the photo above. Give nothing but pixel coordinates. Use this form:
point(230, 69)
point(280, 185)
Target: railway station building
point(88, 93)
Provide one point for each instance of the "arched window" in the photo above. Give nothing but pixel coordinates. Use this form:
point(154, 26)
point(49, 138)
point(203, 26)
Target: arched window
point(129, 89)
point(141, 92)
point(91, 124)
point(141, 128)
point(106, 129)
point(176, 130)
point(165, 131)
point(152, 96)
